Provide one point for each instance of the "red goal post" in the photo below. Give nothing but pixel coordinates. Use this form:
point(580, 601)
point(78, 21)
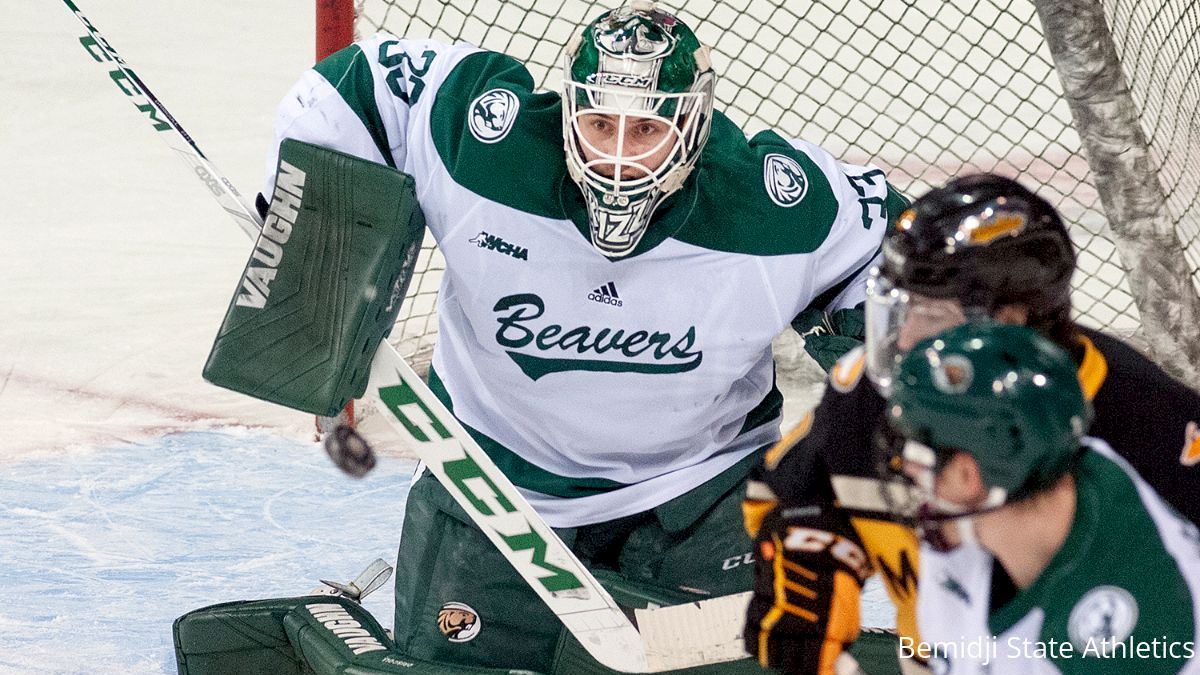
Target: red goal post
point(335, 25)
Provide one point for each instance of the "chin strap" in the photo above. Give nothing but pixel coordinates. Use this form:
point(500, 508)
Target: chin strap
point(933, 517)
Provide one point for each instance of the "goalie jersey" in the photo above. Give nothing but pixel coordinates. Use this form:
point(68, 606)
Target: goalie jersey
point(601, 387)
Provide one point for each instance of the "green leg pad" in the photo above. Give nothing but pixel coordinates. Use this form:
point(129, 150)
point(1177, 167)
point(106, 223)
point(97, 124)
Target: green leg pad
point(241, 638)
point(311, 635)
point(318, 635)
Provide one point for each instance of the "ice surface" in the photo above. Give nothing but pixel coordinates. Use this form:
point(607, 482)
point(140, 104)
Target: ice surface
point(118, 265)
point(102, 549)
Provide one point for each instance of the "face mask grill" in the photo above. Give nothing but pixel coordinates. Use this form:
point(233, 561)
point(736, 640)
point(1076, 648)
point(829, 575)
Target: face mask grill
point(624, 179)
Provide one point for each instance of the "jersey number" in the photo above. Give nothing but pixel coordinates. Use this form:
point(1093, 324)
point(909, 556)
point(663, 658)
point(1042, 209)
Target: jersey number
point(859, 183)
point(396, 63)
point(808, 540)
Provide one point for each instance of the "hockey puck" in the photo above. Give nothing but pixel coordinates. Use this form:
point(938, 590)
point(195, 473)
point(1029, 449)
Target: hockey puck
point(349, 451)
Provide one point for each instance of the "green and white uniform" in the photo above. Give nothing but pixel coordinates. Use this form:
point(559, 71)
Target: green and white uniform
point(1120, 595)
point(601, 387)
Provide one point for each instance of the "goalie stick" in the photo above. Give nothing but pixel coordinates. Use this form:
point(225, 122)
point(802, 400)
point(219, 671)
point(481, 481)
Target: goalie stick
point(180, 141)
point(674, 637)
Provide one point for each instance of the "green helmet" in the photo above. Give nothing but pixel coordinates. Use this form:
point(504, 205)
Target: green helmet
point(1004, 394)
point(638, 62)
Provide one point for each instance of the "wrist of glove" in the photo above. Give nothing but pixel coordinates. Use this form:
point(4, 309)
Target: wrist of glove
point(829, 335)
point(809, 570)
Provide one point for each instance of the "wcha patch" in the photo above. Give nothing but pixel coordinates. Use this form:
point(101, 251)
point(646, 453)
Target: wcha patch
point(1103, 617)
point(784, 179)
point(494, 243)
point(953, 374)
point(493, 114)
point(459, 622)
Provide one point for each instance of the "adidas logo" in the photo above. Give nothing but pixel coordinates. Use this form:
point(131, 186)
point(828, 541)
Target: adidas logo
point(606, 294)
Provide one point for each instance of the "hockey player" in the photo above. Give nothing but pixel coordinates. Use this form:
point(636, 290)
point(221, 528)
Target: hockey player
point(619, 257)
point(981, 247)
point(1042, 551)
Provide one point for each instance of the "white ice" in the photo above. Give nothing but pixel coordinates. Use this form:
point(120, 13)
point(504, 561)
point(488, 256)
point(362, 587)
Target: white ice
point(131, 490)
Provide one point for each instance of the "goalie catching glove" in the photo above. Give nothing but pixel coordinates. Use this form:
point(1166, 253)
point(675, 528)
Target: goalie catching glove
point(809, 570)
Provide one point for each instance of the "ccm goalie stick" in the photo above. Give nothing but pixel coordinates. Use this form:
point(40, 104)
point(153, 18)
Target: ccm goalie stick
point(672, 637)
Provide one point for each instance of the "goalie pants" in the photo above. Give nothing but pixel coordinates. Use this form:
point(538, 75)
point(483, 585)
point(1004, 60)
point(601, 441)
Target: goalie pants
point(459, 601)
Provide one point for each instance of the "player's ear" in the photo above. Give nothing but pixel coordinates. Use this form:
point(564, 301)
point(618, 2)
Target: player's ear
point(973, 477)
point(960, 481)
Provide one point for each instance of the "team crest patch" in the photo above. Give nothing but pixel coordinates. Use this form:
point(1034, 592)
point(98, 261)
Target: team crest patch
point(1103, 617)
point(458, 622)
point(784, 179)
point(953, 375)
point(493, 115)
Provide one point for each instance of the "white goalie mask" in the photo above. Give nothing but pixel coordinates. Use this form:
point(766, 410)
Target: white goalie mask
point(637, 108)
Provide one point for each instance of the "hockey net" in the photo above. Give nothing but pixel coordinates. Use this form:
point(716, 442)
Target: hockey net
point(925, 89)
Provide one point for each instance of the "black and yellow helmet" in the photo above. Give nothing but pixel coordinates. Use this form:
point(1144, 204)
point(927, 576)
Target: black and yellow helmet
point(1004, 394)
point(982, 240)
point(985, 240)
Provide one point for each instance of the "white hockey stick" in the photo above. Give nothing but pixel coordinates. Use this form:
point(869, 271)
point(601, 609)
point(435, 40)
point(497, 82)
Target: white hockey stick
point(683, 636)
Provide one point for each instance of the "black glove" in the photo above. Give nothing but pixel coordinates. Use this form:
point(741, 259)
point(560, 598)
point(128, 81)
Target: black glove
point(808, 574)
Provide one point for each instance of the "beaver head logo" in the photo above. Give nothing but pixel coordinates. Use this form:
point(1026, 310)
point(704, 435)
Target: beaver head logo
point(458, 622)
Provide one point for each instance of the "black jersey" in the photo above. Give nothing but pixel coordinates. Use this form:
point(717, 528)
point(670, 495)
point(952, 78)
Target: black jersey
point(1144, 414)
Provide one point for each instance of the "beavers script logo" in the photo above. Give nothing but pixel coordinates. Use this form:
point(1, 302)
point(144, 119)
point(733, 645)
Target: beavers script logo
point(562, 349)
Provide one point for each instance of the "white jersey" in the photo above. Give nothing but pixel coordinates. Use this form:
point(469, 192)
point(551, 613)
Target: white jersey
point(601, 387)
point(1120, 596)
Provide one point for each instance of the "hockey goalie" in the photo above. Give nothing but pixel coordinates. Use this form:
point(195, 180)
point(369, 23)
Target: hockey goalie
point(619, 258)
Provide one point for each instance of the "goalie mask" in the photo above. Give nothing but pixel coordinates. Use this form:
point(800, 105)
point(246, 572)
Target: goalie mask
point(960, 253)
point(637, 107)
point(1005, 395)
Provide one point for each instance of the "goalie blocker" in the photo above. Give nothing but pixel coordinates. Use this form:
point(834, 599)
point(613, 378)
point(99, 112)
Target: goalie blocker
point(324, 284)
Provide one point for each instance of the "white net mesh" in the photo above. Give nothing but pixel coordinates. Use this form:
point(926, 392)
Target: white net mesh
point(925, 89)
point(1159, 51)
